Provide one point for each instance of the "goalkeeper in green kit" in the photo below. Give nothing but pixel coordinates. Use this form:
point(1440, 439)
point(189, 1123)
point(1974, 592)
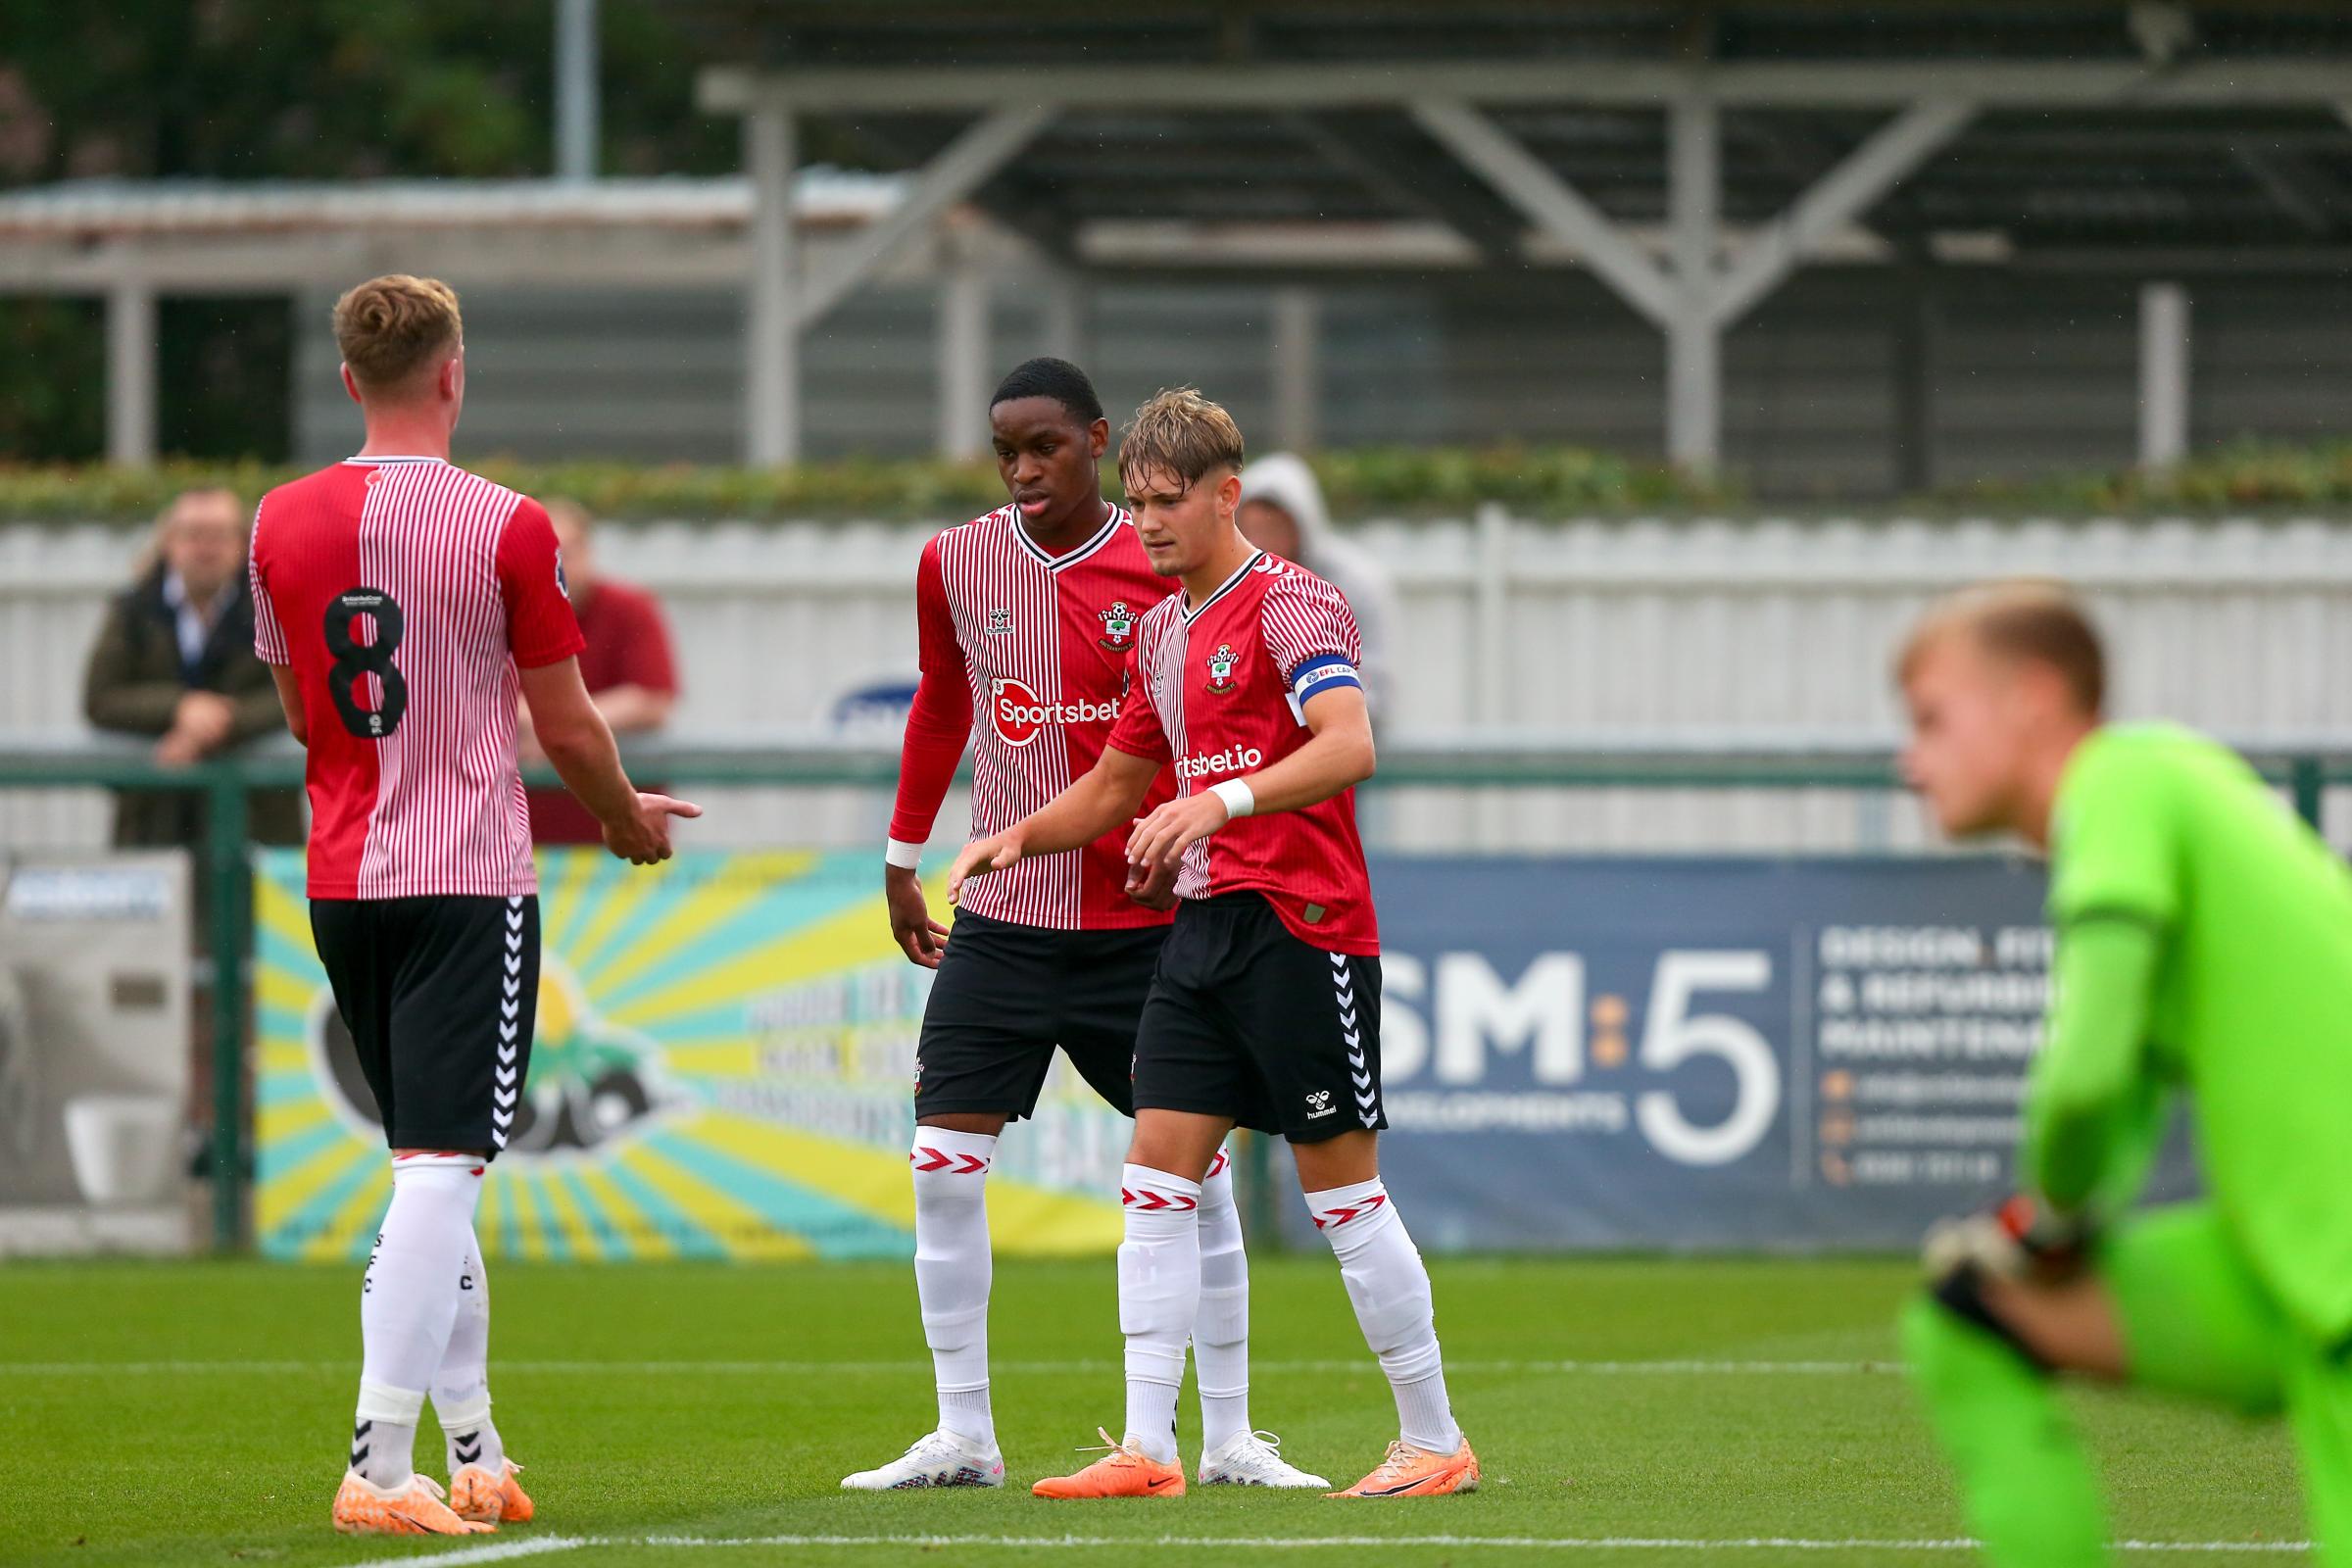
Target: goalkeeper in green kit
point(2204, 946)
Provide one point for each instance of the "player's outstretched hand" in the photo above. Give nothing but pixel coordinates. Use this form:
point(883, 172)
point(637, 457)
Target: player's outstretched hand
point(643, 839)
point(1151, 886)
point(1160, 839)
point(979, 858)
point(2021, 1239)
point(922, 939)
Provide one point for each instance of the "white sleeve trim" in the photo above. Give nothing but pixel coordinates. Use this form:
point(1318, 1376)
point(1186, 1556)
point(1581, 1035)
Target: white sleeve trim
point(902, 855)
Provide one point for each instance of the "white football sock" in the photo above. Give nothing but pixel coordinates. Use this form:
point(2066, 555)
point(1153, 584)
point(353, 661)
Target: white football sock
point(461, 1385)
point(1159, 1292)
point(1221, 1334)
point(409, 1304)
point(952, 1271)
point(1390, 1287)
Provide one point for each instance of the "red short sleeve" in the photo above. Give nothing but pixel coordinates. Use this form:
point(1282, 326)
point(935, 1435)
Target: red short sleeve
point(940, 722)
point(541, 628)
point(268, 634)
point(1307, 622)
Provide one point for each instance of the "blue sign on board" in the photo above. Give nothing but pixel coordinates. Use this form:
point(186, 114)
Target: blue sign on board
point(1706, 1053)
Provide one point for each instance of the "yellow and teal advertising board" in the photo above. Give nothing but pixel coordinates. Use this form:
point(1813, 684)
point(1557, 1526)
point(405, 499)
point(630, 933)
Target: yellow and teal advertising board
point(724, 1067)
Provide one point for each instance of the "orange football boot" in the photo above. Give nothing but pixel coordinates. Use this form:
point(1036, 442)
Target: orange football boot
point(492, 1500)
point(363, 1508)
point(1411, 1472)
point(1123, 1472)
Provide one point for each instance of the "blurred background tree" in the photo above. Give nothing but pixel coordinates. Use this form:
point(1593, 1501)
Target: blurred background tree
point(261, 89)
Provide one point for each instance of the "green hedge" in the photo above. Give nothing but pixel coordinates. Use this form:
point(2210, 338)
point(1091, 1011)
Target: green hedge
point(2241, 477)
point(863, 487)
point(1545, 481)
point(1557, 481)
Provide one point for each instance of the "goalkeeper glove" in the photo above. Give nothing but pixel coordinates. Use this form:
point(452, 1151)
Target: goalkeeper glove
point(2021, 1239)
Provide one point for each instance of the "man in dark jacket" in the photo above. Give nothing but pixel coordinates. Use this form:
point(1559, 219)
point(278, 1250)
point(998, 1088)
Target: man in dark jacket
point(174, 662)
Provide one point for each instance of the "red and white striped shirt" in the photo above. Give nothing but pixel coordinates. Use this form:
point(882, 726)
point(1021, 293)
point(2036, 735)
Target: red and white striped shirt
point(403, 592)
point(1223, 688)
point(1026, 655)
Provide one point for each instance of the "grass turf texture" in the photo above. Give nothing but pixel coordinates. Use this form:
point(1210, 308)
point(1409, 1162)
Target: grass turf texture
point(121, 1450)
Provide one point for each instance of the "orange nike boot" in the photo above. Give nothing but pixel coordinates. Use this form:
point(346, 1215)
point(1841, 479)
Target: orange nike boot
point(1124, 1472)
point(1411, 1472)
point(494, 1499)
point(363, 1508)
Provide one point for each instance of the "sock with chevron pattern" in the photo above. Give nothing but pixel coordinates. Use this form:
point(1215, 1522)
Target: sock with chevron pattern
point(462, 1387)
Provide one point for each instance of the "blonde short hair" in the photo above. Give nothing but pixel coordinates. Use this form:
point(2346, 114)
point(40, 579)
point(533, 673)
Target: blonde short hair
point(1178, 431)
point(2034, 620)
point(388, 327)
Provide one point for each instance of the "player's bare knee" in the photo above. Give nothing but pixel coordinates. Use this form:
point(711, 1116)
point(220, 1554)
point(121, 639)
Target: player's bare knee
point(980, 1123)
point(2055, 1328)
point(1180, 1143)
point(2069, 1325)
point(1340, 1161)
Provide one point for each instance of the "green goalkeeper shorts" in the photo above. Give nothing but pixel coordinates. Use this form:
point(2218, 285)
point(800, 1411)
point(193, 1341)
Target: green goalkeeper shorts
point(2196, 1321)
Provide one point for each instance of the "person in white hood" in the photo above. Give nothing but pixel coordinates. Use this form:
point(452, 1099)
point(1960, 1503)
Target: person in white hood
point(1282, 511)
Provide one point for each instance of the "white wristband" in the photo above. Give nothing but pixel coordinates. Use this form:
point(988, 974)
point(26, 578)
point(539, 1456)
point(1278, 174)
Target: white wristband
point(1235, 793)
point(902, 855)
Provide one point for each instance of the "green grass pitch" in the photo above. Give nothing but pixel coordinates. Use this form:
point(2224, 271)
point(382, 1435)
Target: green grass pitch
point(185, 1414)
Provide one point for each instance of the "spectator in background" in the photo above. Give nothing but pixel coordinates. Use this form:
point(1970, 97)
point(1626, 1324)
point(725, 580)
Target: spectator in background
point(628, 667)
point(1282, 511)
point(174, 662)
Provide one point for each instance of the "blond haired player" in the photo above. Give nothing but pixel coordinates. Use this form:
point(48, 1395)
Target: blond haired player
point(2205, 949)
point(1027, 620)
point(404, 606)
point(1264, 1010)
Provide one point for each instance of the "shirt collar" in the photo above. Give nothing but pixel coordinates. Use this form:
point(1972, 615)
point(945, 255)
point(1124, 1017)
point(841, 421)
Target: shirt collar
point(1194, 613)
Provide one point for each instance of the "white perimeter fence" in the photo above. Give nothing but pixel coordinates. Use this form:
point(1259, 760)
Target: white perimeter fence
point(1703, 633)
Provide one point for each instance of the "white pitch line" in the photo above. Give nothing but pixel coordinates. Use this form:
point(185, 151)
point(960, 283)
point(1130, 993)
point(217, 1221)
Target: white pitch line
point(495, 1551)
point(550, 1543)
point(1522, 1542)
point(1686, 1368)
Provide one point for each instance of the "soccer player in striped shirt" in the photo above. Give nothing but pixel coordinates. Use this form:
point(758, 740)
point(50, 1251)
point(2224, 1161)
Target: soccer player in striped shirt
point(404, 604)
point(1265, 1008)
point(1027, 619)
point(2204, 950)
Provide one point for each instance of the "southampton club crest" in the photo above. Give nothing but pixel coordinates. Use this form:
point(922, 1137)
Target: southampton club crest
point(1220, 669)
point(1118, 628)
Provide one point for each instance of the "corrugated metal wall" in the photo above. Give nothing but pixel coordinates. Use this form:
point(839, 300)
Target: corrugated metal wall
point(1592, 630)
point(2005, 374)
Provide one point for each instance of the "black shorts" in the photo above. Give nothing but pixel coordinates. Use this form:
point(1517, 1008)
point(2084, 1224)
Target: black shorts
point(1006, 995)
point(1246, 1020)
point(439, 994)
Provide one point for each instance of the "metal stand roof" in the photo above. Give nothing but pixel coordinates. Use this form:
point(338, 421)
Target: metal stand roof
point(1691, 155)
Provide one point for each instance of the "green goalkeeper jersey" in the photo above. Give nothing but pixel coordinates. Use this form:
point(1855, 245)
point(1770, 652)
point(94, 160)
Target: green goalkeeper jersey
point(2249, 1009)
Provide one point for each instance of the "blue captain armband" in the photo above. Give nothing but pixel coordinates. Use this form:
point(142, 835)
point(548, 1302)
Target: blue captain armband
point(1322, 673)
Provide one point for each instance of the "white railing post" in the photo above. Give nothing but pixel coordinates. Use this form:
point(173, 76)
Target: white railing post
point(2164, 372)
point(771, 411)
point(1491, 696)
point(131, 347)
